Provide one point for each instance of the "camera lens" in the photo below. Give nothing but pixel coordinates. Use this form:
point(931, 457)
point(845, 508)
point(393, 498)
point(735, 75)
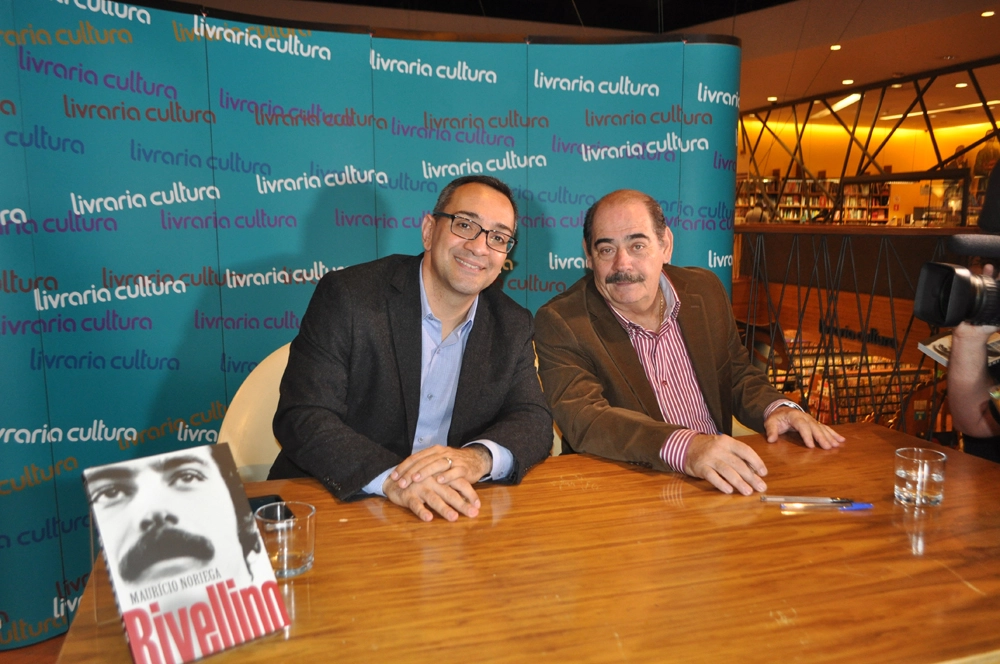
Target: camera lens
point(944, 295)
point(949, 294)
point(986, 310)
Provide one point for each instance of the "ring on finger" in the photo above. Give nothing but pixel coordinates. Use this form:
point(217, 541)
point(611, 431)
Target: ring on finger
point(448, 459)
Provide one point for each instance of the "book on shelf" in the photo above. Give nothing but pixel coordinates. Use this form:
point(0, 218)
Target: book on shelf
point(938, 348)
point(188, 567)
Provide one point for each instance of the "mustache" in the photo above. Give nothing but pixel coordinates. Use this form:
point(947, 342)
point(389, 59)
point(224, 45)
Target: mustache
point(163, 544)
point(624, 278)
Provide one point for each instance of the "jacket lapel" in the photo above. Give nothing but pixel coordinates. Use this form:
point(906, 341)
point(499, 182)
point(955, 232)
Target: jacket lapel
point(696, 330)
point(403, 306)
point(619, 347)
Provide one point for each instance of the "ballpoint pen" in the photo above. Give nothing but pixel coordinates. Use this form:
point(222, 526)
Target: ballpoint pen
point(804, 499)
point(839, 507)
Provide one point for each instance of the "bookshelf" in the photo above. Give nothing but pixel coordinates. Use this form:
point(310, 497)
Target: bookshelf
point(977, 195)
point(928, 198)
point(865, 203)
point(805, 201)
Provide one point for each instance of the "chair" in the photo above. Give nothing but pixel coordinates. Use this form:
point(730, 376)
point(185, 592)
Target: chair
point(740, 429)
point(557, 437)
point(247, 424)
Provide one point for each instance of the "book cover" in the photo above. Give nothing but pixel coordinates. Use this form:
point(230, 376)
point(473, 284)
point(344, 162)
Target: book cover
point(187, 564)
point(938, 348)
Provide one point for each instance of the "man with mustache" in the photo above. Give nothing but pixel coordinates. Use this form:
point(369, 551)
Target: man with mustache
point(413, 377)
point(641, 360)
point(159, 518)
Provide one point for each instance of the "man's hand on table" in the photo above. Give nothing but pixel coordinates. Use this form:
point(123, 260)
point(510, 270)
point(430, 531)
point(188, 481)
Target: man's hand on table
point(813, 433)
point(725, 462)
point(440, 478)
point(448, 500)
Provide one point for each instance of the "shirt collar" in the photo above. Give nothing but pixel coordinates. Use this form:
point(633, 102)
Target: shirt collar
point(427, 314)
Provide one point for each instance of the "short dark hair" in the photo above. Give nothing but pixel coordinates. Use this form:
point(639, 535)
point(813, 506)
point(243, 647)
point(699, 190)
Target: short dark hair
point(624, 196)
point(246, 528)
point(444, 198)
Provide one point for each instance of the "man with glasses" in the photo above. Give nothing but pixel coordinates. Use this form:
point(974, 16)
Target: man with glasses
point(413, 377)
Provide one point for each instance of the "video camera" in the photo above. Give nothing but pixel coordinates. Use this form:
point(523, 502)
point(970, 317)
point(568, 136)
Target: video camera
point(949, 294)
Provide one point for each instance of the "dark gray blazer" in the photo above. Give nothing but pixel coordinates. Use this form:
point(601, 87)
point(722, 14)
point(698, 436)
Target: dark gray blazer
point(350, 394)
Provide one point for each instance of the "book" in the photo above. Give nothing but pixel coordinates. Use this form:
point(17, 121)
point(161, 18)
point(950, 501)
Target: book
point(938, 348)
point(188, 567)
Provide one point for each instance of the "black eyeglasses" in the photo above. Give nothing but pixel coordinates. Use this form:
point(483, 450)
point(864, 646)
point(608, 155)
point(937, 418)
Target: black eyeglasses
point(468, 229)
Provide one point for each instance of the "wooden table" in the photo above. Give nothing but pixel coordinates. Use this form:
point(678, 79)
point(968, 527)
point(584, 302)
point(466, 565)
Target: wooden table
point(595, 561)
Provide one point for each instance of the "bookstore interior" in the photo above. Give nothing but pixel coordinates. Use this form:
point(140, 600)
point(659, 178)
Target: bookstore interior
point(947, 197)
point(951, 195)
point(914, 151)
point(840, 200)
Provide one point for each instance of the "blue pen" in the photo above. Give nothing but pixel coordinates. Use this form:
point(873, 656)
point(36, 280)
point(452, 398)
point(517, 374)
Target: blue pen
point(851, 507)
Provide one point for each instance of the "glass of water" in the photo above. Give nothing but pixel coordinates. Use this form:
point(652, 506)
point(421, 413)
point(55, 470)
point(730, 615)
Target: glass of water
point(919, 476)
point(289, 533)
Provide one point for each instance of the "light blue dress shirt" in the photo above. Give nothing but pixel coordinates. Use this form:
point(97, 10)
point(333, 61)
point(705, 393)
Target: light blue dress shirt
point(440, 365)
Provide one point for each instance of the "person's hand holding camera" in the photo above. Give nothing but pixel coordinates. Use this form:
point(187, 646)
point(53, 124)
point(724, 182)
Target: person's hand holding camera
point(969, 380)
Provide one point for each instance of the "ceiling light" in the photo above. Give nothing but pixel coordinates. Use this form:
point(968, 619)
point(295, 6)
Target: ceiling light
point(915, 114)
point(834, 47)
point(987, 14)
point(897, 85)
point(961, 85)
point(772, 99)
point(848, 81)
point(947, 57)
point(843, 103)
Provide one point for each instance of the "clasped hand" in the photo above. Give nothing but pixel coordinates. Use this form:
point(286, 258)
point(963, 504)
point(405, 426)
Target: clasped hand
point(428, 481)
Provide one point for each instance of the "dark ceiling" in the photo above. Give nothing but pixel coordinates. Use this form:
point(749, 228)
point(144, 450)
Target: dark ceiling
point(639, 15)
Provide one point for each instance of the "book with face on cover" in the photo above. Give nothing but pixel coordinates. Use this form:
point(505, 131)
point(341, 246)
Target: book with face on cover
point(187, 564)
point(938, 348)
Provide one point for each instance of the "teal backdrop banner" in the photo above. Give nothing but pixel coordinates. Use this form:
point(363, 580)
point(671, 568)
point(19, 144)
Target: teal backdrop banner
point(175, 184)
point(607, 114)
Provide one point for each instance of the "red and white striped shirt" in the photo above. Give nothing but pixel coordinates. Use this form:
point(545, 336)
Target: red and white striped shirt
point(664, 357)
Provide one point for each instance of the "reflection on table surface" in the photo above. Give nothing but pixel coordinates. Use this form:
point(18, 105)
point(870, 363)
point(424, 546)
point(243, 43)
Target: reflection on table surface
point(592, 560)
